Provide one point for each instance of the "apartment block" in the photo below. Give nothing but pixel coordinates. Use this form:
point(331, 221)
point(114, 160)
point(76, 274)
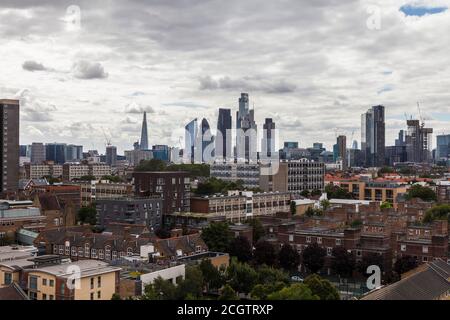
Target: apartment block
point(293, 176)
point(103, 189)
point(232, 172)
point(237, 206)
point(72, 171)
point(39, 171)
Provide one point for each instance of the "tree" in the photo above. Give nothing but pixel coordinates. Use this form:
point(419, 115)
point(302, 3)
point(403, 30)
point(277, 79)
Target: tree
point(356, 223)
point(325, 204)
point(115, 179)
point(192, 285)
point(228, 294)
point(305, 193)
point(262, 291)
point(314, 257)
point(195, 170)
point(241, 249)
point(265, 253)
point(343, 262)
point(439, 212)
point(151, 165)
point(293, 208)
point(258, 229)
point(386, 205)
point(310, 212)
point(241, 277)
point(321, 287)
point(405, 264)
point(162, 233)
point(296, 291)
point(316, 193)
point(160, 289)
point(270, 275)
point(424, 193)
point(217, 236)
point(371, 259)
point(87, 215)
point(288, 257)
point(212, 279)
point(116, 296)
point(385, 170)
point(87, 178)
point(335, 192)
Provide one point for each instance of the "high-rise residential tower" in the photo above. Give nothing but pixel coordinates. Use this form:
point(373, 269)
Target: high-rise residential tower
point(342, 150)
point(246, 131)
point(144, 134)
point(9, 149)
point(223, 150)
point(373, 136)
point(418, 142)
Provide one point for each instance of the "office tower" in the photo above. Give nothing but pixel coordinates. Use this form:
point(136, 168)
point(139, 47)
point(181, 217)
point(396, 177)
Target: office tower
point(291, 145)
point(9, 150)
point(246, 131)
point(73, 153)
point(418, 142)
point(223, 141)
point(55, 152)
point(355, 145)
point(342, 150)
point(190, 140)
point(206, 140)
point(373, 136)
point(443, 147)
point(268, 140)
point(23, 150)
point(144, 134)
point(161, 152)
point(400, 141)
point(37, 153)
point(318, 145)
point(111, 155)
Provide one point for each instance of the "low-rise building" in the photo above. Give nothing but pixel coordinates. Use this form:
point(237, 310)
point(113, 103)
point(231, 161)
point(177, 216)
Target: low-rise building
point(237, 206)
point(53, 279)
point(247, 173)
point(103, 189)
point(443, 191)
point(39, 171)
point(72, 171)
point(140, 211)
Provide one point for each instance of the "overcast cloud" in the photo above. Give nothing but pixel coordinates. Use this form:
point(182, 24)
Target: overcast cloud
point(314, 66)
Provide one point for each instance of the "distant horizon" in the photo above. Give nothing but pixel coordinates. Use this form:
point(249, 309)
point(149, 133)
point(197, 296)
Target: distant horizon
point(314, 67)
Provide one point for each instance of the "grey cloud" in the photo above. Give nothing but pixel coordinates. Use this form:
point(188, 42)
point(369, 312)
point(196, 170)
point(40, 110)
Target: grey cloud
point(84, 69)
point(32, 66)
point(226, 83)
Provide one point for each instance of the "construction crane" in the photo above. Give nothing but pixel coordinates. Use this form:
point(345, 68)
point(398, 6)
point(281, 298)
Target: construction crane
point(420, 115)
point(108, 140)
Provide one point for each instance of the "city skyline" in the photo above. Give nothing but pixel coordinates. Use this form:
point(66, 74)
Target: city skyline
point(326, 68)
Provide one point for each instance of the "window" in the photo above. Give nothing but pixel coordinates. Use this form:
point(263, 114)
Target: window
point(44, 296)
point(291, 238)
point(129, 252)
point(92, 296)
point(44, 282)
point(338, 242)
point(198, 248)
point(32, 295)
point(92, 283)
point(62, 289)
point(8, 278)
point(308, 239)
point(99, 294)
point(33, 282)
point(51, 283)
point(403, 247)
point(99, 282)
point(86, 250)
point(319, 240)
point(425, 249)
point(51, 297)
point(358, 253)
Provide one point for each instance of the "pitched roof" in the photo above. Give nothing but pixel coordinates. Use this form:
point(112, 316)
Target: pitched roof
point(13, 292)
point(49, 202)
point(428, 284)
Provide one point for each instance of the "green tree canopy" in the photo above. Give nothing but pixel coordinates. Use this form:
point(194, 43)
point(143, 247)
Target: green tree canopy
point(87, 215)
point(424, 193)
point(288, 257)
point(265, 253)
point(192, 285)
point(343, 262)
point(228, 293)
point(296, 291)
point(321, 287)
point(314, 257)
point(160, 289)
point(217, 236)
point(241, 249)
point(335, 192)
point(212, 278)
point(241, 277)
point(439, 212)
point(270, 275)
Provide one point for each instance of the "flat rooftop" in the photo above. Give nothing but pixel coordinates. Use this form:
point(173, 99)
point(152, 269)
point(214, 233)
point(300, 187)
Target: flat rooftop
point(87, 268)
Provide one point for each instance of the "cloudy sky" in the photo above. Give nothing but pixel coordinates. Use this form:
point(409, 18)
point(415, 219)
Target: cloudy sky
point(313, 66)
